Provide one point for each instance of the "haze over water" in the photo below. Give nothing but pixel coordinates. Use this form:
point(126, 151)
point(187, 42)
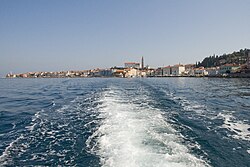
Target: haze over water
point(117, 122)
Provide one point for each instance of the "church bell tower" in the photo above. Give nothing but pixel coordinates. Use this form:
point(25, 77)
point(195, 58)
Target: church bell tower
point(142, 63)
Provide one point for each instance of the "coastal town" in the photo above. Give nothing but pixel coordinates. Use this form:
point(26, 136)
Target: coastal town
point(136, 69)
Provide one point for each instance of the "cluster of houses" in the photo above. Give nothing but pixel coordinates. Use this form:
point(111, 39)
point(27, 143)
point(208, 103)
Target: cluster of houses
point(134, 69)
point(180, 70)
point(191, 70)
point(63, 74)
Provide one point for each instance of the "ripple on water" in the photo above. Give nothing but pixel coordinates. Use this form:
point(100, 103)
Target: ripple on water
point(53, 137)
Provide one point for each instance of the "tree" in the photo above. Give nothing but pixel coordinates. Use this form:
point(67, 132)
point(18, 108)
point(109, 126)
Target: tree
point(239, 57)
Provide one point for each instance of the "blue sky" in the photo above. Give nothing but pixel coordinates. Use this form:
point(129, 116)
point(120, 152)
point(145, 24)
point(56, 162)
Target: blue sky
point(54, 35)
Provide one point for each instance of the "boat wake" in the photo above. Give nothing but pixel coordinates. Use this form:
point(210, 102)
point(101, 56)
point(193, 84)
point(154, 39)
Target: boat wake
point(135, 135)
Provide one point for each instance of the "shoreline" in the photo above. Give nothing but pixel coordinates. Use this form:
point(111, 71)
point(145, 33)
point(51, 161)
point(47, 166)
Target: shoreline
point(228, 76)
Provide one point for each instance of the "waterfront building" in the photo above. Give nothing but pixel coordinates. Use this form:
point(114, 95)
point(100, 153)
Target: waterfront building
point(229, 68)
point(150, 72)
point(23, 75)
point(200, 72)
point(166, 71)
point(158, 72)
point(177, 70)
point(8, 75)
point(213, 71)
point(131, 73)
point(118, 72)
point(143, 73)
point(105, 73)
point(189, 69)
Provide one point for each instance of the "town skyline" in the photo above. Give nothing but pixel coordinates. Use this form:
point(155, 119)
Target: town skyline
point(75, 35)
point(236, 64)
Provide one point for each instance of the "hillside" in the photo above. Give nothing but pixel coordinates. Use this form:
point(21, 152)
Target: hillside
point(239, 57)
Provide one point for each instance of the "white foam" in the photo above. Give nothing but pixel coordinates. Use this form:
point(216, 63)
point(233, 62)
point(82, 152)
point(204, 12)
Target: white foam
point(63, 109)
point(14, 125)
point(240, 129)
point(4, 159)
point(137, 136)
point(31, 127)
point(53, 103)
point(248, 151)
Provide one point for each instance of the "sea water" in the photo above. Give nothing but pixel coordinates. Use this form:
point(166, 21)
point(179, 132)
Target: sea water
point(117, 122)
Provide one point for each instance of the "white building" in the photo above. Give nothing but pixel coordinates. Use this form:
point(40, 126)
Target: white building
point(201, 71)
point(130, 73)
point(177, 70)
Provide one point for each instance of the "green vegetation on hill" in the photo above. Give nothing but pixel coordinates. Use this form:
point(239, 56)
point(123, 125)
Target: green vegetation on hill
point(239, 57)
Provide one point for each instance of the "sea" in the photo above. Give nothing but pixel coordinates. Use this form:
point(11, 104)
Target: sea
point(125, 122)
